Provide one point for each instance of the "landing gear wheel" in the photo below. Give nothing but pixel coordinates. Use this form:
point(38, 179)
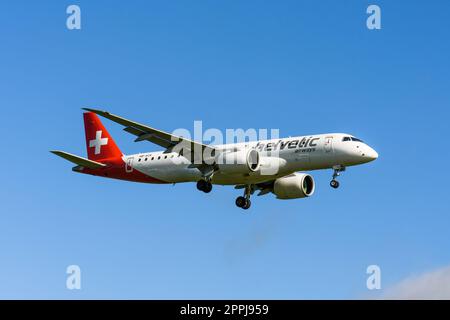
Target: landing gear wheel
point(244, 201)
point(204, 186)
point(208, 187)
point(201, 185)
point(241, 202)
point(334, 184)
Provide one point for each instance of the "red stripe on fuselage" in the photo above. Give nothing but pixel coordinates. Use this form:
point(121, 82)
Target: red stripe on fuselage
point(116, 169)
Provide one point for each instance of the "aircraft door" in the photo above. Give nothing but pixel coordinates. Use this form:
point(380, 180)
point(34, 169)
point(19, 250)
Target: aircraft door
point(129, 165)
point(328, 146)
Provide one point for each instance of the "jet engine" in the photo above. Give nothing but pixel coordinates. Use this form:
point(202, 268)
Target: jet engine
point(271, 165)
point(239, 162)
point(296, 185)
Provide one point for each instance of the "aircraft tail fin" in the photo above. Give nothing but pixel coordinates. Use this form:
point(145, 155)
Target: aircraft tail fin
point(99, 143)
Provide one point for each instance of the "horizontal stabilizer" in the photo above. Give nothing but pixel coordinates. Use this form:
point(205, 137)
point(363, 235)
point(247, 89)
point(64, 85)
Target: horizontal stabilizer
point(79, 160)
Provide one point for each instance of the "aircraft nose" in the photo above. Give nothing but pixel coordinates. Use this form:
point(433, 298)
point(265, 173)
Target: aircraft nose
point(371, 153)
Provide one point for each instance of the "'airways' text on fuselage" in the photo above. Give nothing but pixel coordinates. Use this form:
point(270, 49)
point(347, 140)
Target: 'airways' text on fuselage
point(287, 144)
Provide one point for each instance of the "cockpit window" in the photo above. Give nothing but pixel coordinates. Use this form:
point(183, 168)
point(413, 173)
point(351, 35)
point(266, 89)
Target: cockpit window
point(351, 139)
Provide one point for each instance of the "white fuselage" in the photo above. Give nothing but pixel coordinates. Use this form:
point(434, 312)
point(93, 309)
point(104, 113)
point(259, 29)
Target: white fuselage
point(301, 153)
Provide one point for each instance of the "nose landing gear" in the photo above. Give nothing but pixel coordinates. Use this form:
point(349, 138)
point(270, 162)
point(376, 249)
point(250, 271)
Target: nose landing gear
point(244, 202)
point(336, 173)
point(334, 184)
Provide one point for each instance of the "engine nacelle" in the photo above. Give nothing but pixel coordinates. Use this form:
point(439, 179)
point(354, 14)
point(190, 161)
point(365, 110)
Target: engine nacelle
point(297, 185)
point(239, 162)
point(271, 165)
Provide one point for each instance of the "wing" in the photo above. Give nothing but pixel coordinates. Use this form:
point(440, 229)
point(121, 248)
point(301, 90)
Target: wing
point(199, 153)
point(263, 187)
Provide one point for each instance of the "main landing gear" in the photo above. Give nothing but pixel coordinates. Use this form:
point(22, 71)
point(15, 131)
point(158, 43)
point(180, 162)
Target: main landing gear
point(204, 185)
point(244, 201)
point(336, 173)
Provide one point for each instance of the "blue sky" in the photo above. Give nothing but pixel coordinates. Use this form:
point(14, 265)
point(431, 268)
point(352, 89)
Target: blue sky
point(303, 67)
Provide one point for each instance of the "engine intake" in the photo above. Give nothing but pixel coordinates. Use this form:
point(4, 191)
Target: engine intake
point(296, 185)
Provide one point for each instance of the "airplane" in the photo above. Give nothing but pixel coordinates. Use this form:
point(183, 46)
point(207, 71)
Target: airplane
point(268, 166)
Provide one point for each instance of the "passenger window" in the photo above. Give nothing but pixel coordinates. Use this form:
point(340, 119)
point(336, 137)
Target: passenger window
point(159, 157)
point(145, 159)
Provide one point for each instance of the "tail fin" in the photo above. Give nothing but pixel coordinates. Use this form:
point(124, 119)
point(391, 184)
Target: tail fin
point(100, 145)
